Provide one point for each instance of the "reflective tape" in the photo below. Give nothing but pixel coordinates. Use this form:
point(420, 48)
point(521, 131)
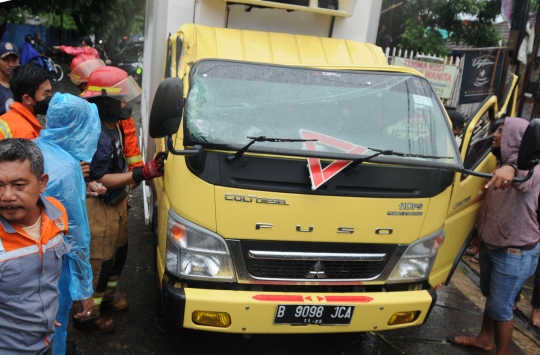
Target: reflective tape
point(97, 301)
point(134, 159)
point(52, 242)
point(112, 284)
point(108, 89)
point(17, 253)
point(4, 129)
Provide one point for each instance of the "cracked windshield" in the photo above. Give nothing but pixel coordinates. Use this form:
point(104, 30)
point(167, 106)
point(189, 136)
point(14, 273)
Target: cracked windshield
point(345, 111)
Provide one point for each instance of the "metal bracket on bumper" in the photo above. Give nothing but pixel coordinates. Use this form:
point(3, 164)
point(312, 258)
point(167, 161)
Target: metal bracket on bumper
point(173, 304)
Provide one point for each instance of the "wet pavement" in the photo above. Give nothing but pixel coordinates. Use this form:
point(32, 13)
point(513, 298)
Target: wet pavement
point(140, 330)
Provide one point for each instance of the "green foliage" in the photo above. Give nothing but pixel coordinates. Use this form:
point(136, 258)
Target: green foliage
point(12, 15)
point(14, 11)
point(477, 33)
point(417, 38)
point(58, 20)
point(411, 25)
point(106, 19)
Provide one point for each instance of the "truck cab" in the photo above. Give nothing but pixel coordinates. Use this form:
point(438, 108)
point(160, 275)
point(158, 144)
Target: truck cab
point(309, 186)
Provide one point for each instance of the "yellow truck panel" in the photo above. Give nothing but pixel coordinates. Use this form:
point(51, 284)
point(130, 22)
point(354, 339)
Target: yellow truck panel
point(226, 43)
point(251, 316)
point(324, 214)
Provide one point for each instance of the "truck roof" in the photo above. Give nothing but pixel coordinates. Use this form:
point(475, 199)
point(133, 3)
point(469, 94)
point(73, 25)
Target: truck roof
point(202, 42)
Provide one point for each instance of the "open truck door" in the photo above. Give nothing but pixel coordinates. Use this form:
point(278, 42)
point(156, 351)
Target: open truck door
point(468, 192)
point(509, 100)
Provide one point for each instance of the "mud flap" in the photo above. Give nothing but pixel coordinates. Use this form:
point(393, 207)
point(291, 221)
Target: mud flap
point(173, 304)
point(433, 295)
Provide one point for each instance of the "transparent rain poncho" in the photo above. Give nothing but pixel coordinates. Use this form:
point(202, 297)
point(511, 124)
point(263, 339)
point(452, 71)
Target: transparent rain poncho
point(70, 135)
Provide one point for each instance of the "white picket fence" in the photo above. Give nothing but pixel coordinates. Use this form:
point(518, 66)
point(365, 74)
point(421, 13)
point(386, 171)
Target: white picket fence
point(466, 110)
point(404, 53)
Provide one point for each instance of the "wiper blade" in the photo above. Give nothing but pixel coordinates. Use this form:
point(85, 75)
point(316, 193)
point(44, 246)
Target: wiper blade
point(359, 161)
point(241, 152)
point(407, 155)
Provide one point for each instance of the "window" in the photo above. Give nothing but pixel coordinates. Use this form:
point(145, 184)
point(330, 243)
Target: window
point(231, 101)
point(480, 143)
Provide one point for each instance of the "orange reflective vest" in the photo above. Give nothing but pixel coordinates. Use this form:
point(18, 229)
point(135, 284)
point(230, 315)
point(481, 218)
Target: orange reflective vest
point(132, 151)
point(19, 123)
point(29, 274)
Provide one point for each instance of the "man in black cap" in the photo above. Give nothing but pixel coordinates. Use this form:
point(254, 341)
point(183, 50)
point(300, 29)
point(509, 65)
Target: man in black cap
point(9, 59)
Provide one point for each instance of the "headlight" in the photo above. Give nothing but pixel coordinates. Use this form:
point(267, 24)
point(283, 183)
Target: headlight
point(416, 263)
point(196, 253)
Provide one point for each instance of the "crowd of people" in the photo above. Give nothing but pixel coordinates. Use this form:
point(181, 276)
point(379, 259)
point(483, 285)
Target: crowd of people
point(63, 206)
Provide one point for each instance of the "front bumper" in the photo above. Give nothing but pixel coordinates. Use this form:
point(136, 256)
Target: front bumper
point(250, 314)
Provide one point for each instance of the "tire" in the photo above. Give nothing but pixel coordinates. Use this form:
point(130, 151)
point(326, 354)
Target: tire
point(57, 74)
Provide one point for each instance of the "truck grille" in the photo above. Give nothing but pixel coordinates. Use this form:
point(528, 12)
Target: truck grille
point(315, 261)
point(298, 269)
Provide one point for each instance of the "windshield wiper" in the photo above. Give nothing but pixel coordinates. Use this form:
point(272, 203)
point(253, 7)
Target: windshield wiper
point(352, 167)
point(241, 152)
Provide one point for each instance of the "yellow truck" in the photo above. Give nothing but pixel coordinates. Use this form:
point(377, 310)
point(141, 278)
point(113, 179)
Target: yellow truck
point(309, 186)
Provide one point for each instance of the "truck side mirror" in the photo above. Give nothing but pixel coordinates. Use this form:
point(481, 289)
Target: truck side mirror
point(167, 108)
point(166, 114)
point(529, 150)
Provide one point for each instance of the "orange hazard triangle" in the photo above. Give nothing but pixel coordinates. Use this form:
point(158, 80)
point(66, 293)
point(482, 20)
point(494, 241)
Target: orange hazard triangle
point(319, 175)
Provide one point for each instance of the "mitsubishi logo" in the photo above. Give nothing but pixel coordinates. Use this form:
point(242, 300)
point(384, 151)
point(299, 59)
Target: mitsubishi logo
point(317, 271)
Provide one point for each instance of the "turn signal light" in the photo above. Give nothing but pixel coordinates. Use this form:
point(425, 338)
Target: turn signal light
point(211, 319)
point(403, 317)
point(178, 233)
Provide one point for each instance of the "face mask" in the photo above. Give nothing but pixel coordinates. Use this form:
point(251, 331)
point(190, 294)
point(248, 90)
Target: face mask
point(42, 106)
point(109, 109)
point(126, 112)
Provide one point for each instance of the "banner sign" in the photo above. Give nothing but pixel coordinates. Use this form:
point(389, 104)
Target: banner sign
point(442, 77)
point(482, 73)
point(319, 175)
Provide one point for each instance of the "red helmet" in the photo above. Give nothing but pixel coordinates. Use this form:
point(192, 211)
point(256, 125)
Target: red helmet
point(81, 67)
point(113, 82)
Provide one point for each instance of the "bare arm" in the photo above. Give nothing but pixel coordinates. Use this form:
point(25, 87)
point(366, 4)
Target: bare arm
point(114, 181)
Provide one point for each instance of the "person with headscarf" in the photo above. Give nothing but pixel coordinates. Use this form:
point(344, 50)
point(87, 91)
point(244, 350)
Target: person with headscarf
point(85, 48)
point(70, 136)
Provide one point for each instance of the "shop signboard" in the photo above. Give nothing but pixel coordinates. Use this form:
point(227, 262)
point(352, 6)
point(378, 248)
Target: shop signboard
point(481, 75)
point(442, 77)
